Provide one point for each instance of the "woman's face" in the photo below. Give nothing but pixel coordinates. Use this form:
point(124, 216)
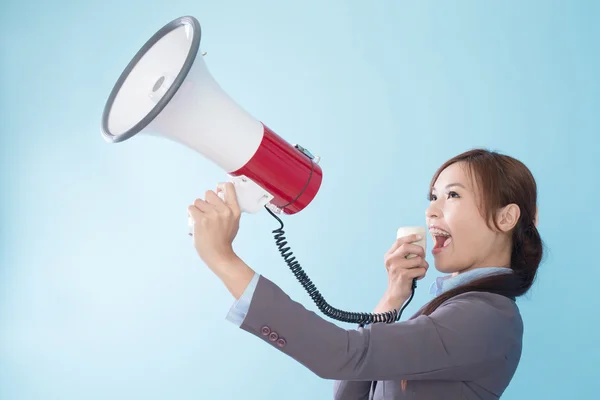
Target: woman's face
point(462, 239)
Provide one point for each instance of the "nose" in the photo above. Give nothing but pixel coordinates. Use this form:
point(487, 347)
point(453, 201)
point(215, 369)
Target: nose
point(433, 211)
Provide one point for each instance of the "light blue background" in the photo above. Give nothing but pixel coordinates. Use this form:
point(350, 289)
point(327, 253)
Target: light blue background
point(101, 293)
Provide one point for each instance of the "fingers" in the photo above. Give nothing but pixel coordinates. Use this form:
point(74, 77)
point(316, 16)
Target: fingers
point(230, 195)
point(418, 273)
point(224, 206)
point(213, 206)
point(400, 241)
point(214, 200)
point(206, 207)
point(408, 248)
point(203, 206)
point(195, 213)
point(409, 269)
point(399, 262)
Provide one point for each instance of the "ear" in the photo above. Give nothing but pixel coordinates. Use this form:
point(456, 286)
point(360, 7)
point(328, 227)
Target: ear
point(535, 219)
point(508, 217)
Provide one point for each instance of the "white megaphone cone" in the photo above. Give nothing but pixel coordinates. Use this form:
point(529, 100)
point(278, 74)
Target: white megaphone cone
point(166, 90)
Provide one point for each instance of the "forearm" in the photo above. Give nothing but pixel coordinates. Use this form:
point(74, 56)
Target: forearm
point(386, 305)
point(234, 273)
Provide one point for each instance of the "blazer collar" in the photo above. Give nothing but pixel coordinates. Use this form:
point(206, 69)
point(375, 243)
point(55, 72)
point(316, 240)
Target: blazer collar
point(447, 282)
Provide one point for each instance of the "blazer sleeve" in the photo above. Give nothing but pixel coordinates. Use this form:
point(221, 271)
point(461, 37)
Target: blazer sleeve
point(464, 339)
point(240, 307)
point(351, 390)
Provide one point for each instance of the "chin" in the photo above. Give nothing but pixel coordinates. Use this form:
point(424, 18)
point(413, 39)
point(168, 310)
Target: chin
point(446, 266)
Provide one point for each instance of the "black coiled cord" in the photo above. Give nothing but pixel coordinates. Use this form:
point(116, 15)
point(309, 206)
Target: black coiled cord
point(332, 312)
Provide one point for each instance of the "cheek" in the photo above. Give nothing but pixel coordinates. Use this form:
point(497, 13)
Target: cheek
point(456, 220)
point(466, 228)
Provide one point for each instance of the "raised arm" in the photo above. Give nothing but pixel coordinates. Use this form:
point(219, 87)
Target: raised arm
point(463, 340)
point(466, 338)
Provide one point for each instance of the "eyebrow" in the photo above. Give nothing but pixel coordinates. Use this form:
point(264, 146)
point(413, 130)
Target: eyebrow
point(448, 186)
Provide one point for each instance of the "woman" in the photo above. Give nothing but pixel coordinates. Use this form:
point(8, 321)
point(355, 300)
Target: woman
point(465, 343)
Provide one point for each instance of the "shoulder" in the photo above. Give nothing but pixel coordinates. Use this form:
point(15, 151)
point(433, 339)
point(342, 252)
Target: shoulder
point(477, 325)
point(482, 313)
point(483, 303)
point(479, 301)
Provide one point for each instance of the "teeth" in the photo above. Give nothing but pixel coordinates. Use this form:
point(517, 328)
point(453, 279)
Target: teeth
point(439, 232)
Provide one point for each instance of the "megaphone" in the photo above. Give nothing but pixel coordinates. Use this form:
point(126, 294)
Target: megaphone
point(167, 90)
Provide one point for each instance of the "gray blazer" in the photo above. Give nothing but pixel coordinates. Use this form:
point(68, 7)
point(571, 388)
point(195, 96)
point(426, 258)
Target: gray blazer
point(469, 348)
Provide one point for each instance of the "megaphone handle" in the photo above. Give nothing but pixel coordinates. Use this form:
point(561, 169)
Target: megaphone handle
point(251, 197)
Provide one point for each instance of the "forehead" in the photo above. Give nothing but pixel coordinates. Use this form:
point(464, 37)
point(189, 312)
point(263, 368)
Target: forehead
point(457, 173)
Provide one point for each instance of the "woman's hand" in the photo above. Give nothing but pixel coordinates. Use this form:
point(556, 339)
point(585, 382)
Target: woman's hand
point(216, 223)
point(401, 272)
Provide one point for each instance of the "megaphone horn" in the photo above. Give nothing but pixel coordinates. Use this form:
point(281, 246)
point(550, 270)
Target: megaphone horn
point(166, 90)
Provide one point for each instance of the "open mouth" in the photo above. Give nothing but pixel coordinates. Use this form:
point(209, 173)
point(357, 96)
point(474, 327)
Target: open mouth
point(441, 238)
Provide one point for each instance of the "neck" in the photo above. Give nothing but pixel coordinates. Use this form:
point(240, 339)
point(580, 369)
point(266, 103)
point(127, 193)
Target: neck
point(498, 260)
point(499, 255)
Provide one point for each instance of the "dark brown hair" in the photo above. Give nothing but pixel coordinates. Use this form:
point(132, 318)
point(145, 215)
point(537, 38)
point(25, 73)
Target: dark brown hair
point(502, 180)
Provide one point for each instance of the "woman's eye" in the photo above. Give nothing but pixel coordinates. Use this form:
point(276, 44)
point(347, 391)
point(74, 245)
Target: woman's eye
point(432, 197)
point(453, 194)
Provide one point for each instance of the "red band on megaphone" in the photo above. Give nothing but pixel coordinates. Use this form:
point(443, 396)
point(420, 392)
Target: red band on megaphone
point(284, 171)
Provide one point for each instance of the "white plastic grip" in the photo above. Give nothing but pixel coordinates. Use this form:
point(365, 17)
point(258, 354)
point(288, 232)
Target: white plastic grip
point(410, 230)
